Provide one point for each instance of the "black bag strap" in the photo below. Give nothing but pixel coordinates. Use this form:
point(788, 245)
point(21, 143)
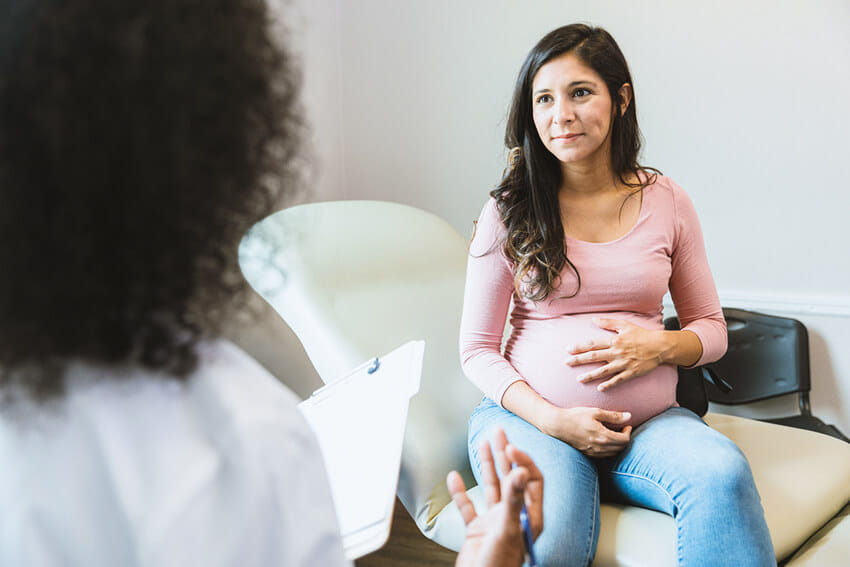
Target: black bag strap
point(710, 375)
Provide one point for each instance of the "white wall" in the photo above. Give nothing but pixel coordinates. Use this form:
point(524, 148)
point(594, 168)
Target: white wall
point(744, 103)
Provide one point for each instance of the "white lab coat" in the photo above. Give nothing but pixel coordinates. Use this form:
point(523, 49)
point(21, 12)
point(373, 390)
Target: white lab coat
point(140, 471)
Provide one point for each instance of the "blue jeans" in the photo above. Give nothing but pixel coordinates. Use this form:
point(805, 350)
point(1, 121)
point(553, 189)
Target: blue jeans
point(675, 464)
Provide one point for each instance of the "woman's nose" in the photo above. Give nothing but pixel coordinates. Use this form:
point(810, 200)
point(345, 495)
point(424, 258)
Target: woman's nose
point(563, 112)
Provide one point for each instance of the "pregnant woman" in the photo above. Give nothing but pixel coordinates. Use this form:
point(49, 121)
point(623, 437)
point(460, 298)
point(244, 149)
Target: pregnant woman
point(580, 243)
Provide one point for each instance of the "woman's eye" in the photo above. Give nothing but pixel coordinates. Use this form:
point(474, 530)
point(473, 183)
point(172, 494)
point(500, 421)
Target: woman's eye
point(578, 93)
point(543, 99)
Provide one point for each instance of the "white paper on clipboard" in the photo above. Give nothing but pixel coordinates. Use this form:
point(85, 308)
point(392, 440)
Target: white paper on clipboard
point(359, 421)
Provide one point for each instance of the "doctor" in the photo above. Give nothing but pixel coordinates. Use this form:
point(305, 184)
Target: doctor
point(138, 142)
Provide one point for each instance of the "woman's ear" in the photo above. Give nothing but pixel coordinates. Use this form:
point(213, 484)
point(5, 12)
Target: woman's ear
point(625, 93)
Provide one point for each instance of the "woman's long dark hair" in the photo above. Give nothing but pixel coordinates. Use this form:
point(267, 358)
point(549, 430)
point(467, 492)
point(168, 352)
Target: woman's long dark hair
point(527, 197)
point(139, 140)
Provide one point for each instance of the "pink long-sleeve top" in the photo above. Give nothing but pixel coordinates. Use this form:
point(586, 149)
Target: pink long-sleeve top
point(626, 278)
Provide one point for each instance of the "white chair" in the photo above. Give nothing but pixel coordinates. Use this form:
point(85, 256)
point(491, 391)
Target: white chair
point(357, 278)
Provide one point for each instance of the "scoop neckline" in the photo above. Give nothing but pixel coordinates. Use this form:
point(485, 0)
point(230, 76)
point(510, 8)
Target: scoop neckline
point(641, 215)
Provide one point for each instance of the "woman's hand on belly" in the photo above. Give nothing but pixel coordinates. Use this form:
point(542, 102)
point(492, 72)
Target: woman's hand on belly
point(631, 352)
point(592, 431)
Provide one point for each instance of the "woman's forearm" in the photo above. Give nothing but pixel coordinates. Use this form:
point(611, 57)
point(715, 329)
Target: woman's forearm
point(684, 348)
point(522, 400)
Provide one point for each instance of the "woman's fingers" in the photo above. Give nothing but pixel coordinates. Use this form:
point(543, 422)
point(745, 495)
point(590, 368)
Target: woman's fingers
point(615, 325)
point(587, 358)
point(613, 417)
point(632, 352)
point(589, 346)
point(611, 446)
point(617, 379)
point(602, 440)
point(616, 367)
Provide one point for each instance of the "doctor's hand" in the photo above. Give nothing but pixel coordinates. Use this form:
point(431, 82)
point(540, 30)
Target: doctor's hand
point(494, 537)
point(631, 352)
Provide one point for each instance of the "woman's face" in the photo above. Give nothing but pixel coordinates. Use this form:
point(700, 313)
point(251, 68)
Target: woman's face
point(572, 111)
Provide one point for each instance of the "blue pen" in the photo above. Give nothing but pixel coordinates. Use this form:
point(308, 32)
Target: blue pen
point(526, 534)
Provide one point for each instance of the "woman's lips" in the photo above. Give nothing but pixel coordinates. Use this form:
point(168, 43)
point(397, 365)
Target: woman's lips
point(566, 137)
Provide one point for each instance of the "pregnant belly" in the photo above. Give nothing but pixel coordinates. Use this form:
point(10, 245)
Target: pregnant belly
point(539, 351)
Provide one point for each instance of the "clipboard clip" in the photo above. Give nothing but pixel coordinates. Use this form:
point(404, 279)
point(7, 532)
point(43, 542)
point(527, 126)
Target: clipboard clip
point(371, 366)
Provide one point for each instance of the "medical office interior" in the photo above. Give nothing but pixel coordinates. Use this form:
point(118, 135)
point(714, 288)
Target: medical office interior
point(744, 104)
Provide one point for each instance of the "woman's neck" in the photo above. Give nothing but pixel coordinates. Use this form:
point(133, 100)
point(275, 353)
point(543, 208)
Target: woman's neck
point(589, 178)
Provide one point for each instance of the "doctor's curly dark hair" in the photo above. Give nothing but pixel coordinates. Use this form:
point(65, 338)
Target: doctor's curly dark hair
point(139, 140)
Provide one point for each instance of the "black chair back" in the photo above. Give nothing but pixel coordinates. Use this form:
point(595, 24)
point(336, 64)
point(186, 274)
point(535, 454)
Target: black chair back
point(768, 356)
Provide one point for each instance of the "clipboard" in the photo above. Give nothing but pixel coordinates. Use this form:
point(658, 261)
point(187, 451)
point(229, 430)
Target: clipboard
point(359, 421)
